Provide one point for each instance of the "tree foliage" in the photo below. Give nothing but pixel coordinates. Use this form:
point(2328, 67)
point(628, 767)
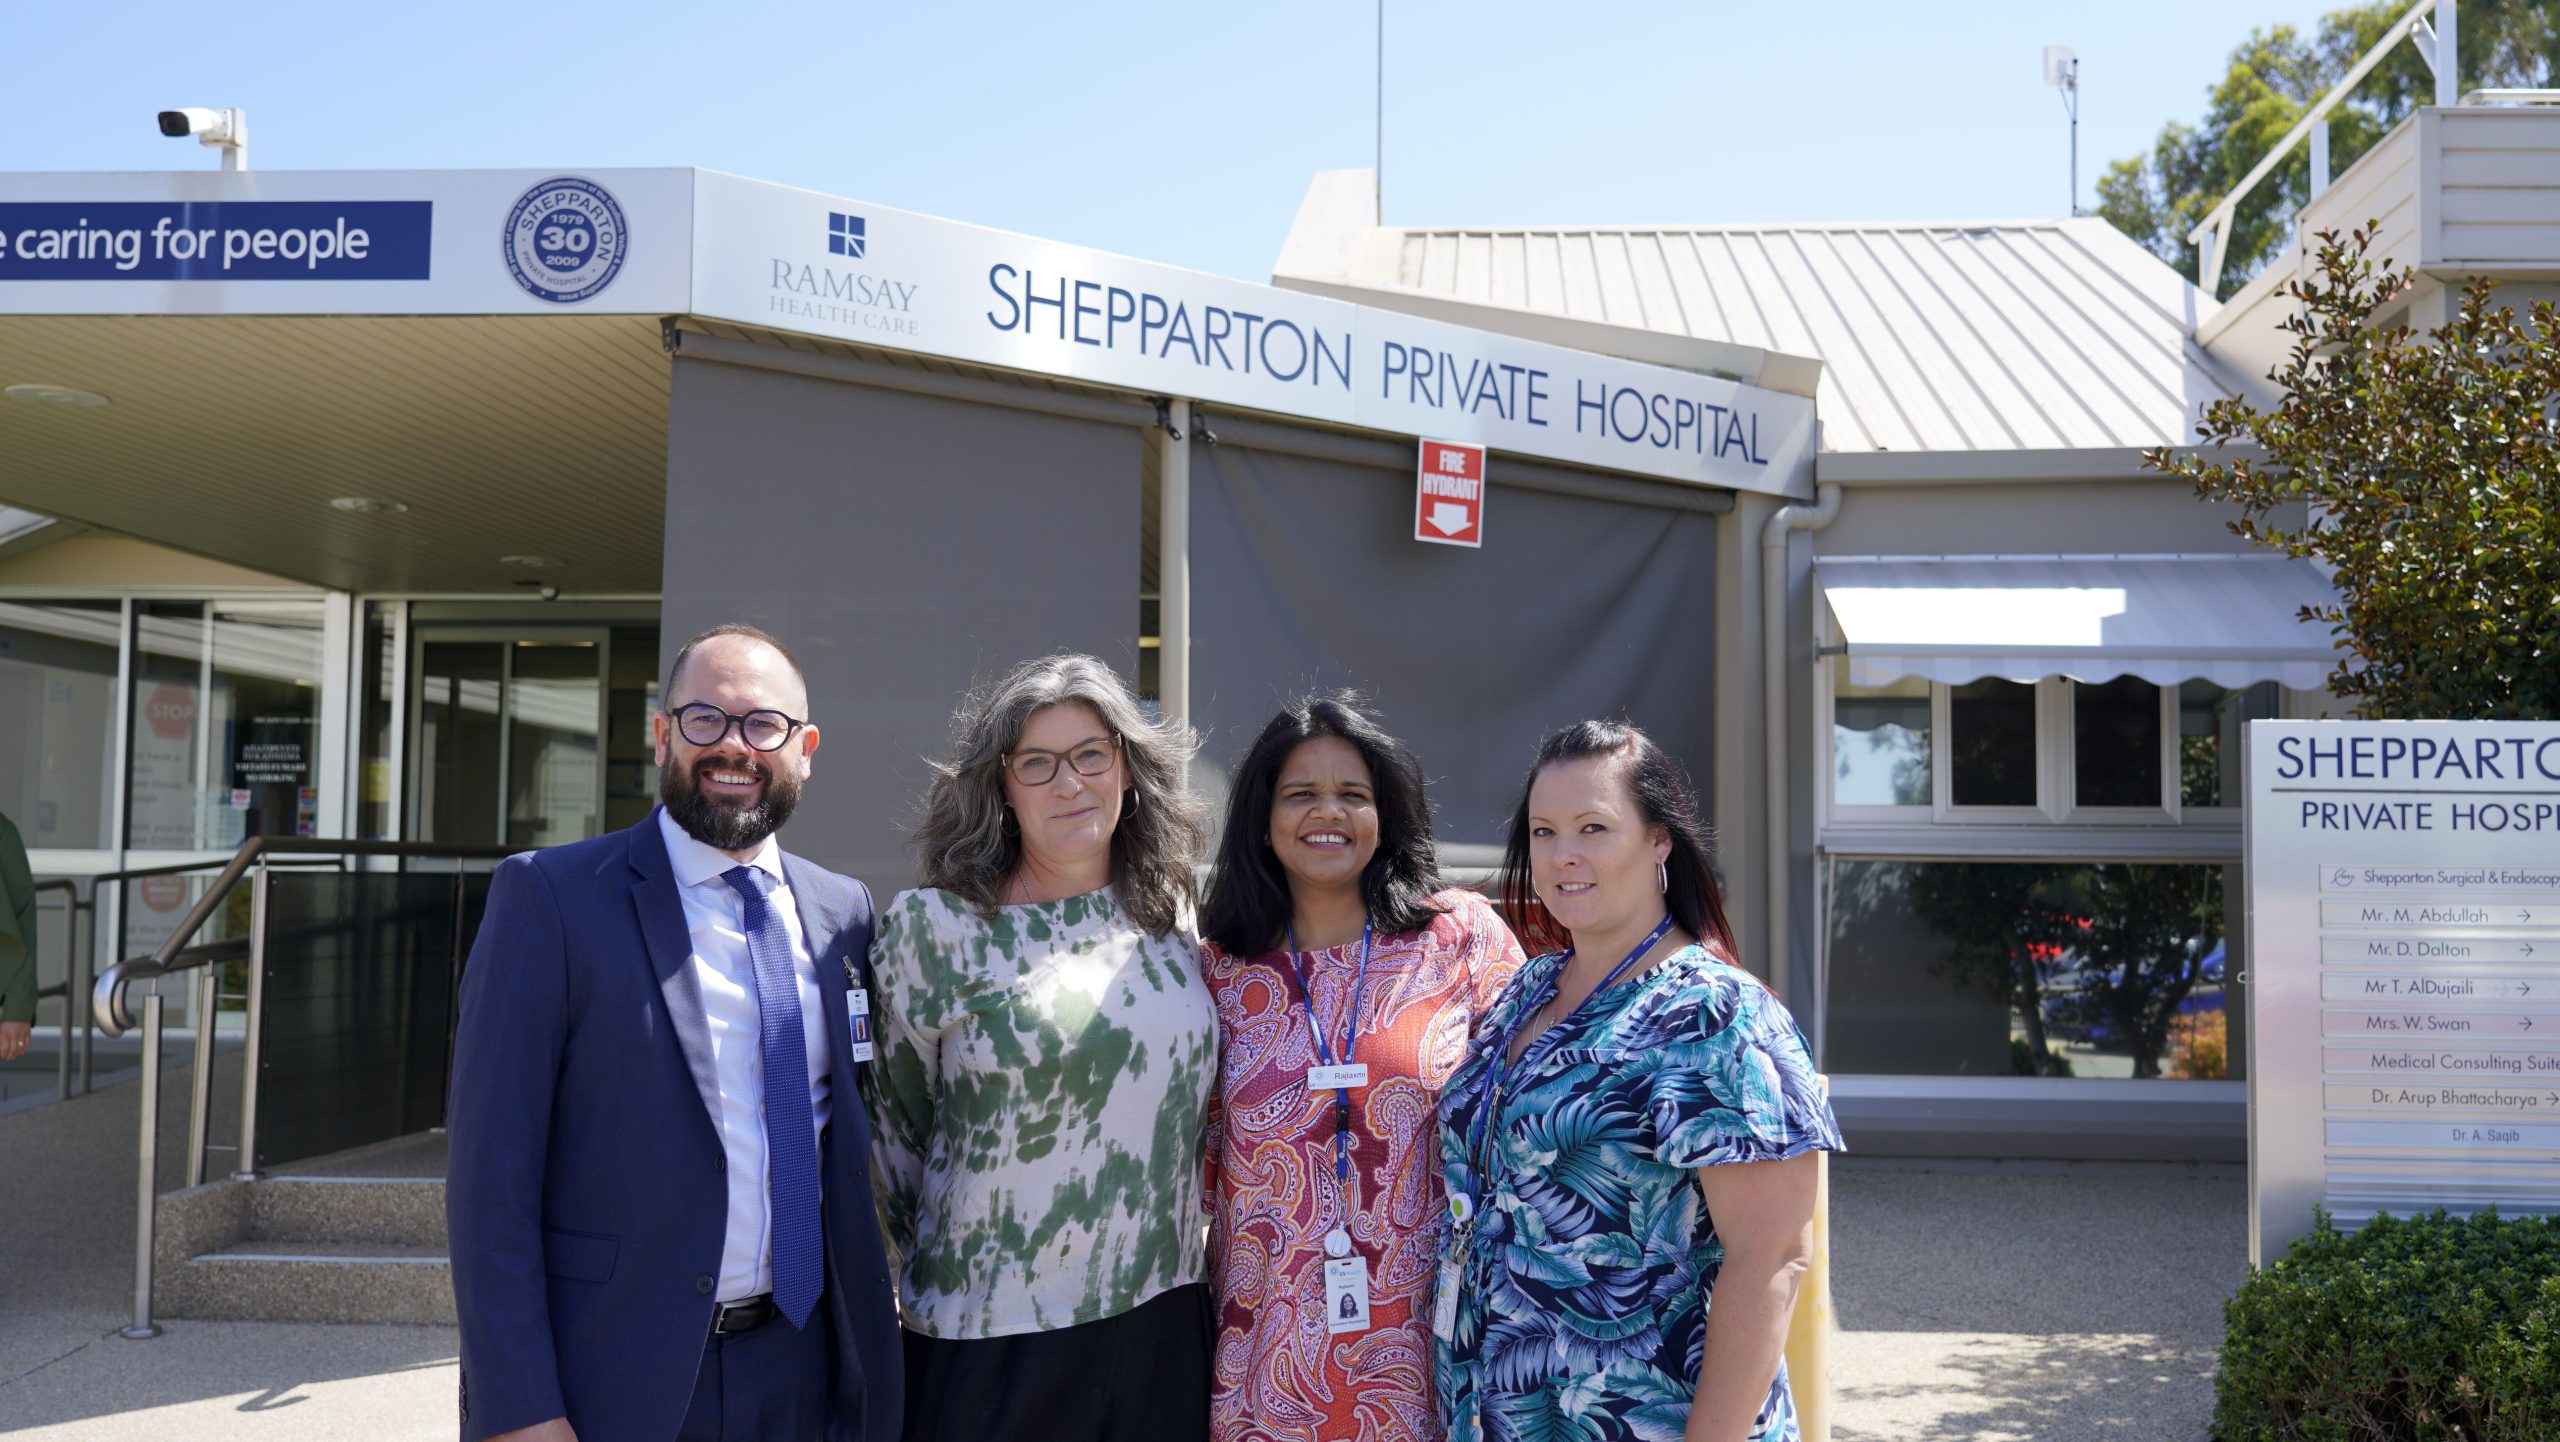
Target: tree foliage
point(2270, 80)
point(2429, 469)
point(2109, 951)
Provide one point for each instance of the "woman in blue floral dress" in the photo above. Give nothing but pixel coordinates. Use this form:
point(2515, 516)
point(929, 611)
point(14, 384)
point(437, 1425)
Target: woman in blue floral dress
point(1629, 1139)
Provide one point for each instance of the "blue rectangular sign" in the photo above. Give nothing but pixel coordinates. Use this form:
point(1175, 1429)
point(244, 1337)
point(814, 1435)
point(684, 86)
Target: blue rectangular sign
point(217, 240)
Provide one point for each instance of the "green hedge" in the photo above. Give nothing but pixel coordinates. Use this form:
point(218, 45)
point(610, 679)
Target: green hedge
point(2427, 1329)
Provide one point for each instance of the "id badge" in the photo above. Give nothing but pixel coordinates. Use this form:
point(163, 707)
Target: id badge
point(1444, 1307)
point(1335, 1078)
point(857, 1015)
point(1346, 1294)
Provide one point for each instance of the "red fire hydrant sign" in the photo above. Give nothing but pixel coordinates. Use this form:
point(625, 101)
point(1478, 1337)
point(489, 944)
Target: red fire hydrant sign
point(1448, 494)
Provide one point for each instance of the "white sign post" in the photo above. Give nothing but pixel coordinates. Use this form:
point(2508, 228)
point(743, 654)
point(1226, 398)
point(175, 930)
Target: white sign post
point(2404, 971)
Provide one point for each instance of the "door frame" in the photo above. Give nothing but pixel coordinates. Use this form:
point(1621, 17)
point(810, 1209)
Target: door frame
point(505, 636)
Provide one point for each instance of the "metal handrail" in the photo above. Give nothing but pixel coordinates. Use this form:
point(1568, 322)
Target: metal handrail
point(254, 859)
point(2440, 57)
point(74, 983)
point(172, 954)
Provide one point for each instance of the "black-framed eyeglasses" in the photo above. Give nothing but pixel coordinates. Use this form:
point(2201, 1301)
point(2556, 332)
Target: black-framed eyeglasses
point(1089, 758)
point(704, 724)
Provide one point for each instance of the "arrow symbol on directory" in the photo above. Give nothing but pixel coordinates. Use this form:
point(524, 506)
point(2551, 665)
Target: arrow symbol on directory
point(1448, 518)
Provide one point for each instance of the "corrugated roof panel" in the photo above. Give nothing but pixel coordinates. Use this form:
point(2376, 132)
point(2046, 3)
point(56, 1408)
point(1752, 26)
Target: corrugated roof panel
point(2061, 329)
point(1905, 354)
point(1971, 379)
point(1440, 264)
point(1581, 276)
point(1739, 312)
point(1847, 349)
point(2040, 334)
point(1543, 272)
point(1619, 302)
point(1702, 311)
point(1508, 269)
point(1663, 310)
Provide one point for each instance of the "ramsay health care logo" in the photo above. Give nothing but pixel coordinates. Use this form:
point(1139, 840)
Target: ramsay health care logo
point(566, 240)
point(845, 236)
point(852, 300)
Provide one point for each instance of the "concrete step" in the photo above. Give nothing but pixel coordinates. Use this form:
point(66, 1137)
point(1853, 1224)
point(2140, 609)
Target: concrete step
point(314, 1281)
point(408, 1211)
point(357, 1237)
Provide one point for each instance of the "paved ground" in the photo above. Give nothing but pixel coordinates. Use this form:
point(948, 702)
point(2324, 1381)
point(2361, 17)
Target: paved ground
point(1994, 1303)
point(1977, 1303)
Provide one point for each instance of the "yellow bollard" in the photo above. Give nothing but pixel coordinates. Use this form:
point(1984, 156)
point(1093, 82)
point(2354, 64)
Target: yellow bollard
point(1809, 1334)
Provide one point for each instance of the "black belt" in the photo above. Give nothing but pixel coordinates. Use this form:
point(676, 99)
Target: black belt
point(731, 1318)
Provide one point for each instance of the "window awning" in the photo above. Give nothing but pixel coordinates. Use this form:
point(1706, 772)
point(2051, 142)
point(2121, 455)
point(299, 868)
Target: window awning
point(2230, 620)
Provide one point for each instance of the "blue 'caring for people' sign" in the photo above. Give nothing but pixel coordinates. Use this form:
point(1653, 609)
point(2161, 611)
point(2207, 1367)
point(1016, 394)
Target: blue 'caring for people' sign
point(217, 240)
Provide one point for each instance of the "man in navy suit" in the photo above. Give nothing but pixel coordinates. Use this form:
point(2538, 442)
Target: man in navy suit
point(660, 1194)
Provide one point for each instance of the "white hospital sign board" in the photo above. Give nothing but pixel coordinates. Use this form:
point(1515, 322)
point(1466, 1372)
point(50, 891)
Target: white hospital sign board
point(700, 243)
point(2404, 971)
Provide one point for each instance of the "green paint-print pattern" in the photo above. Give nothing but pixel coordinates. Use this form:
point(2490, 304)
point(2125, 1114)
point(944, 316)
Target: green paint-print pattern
point(1037, 1110)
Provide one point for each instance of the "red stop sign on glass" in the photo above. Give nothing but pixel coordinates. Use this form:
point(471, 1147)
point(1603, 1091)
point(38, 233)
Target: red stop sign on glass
point(171, 710)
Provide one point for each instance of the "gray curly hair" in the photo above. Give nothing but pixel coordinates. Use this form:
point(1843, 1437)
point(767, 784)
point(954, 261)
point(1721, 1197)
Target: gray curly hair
point(967, 848)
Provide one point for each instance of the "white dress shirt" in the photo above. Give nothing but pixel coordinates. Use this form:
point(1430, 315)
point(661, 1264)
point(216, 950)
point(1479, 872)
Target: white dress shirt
point(715, 916)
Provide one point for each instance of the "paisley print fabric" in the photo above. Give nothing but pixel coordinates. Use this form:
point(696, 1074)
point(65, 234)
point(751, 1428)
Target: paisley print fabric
point(1590, 1264)
point(1280, 1377)
point(1038, 1105)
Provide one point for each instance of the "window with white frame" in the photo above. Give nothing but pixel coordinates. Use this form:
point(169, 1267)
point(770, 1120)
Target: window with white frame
point(2057, 751)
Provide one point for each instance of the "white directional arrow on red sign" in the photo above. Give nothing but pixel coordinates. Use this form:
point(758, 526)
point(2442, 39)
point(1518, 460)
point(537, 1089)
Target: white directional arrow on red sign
point(1448, 517)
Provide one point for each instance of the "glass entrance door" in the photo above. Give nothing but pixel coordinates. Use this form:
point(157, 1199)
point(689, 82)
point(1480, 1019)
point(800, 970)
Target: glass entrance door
point(508, 736)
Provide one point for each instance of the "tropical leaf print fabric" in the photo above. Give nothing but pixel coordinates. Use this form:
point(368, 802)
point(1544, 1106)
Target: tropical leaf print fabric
point(1590, 1264)
point(1280, 1377)
point(1037, 1105)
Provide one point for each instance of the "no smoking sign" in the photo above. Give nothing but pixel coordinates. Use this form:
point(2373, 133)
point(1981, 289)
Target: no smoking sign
point(1448, 495)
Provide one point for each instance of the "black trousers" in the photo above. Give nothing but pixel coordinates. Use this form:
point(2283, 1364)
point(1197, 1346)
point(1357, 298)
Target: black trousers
point(768, 1383)
point(1142, 1376)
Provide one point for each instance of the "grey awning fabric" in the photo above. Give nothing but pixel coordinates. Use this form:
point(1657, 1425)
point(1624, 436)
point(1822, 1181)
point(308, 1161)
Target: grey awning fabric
point(2230, 620)
point(1306, 574)
point(906, 547)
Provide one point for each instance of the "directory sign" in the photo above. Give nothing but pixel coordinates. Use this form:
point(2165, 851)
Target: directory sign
point(2404, 971)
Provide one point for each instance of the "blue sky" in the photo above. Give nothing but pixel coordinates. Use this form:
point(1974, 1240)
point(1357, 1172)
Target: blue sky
point(1180, 133)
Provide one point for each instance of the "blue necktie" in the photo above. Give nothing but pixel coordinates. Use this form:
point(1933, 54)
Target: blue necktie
point(790, 1128)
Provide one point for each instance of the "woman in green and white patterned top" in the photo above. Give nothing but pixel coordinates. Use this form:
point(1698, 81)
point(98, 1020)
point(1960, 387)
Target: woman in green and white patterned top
point(1047, 1050)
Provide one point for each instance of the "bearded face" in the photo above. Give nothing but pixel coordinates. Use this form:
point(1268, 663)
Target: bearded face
point(729, 798)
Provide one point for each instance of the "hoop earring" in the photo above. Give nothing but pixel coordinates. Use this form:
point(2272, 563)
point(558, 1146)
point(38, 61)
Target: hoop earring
point(1662, 876)
point(1135, 802)
point(1009, 824)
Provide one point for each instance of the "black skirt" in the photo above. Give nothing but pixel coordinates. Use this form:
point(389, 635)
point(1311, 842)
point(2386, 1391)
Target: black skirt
point(1142, 1376)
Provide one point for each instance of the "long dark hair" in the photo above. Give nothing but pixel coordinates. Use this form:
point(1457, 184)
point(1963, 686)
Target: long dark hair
point(1247, 907)
point(1664, 798)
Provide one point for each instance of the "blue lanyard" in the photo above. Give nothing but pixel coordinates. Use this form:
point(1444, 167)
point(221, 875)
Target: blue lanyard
point(1324, 1053)
point(1500, 1070)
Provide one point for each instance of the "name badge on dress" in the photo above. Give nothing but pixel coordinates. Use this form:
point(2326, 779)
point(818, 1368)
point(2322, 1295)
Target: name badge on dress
point(1346, 1294)
point(1334, 1078)
point(857, 1015)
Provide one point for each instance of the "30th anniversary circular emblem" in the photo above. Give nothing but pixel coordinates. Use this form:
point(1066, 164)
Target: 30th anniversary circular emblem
point(565, 239)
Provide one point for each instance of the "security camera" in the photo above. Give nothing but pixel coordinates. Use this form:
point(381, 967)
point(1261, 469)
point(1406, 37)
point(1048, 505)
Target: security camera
point(226, 129)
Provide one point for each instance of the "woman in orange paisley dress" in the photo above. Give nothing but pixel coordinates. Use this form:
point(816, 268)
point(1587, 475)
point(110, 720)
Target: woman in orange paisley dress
point(1347, 981)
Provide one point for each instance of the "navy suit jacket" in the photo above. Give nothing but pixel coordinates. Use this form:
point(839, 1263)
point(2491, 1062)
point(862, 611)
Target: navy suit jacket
point(587, 1197)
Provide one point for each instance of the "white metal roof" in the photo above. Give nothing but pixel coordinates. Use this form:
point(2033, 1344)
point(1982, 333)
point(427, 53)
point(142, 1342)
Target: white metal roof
point(2230, 620)
point(1992, 335)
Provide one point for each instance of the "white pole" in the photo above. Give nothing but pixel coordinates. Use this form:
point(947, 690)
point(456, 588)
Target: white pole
point(2319, 159)
point(1378, 166)
point(1173, 564)
point(2448, 56)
